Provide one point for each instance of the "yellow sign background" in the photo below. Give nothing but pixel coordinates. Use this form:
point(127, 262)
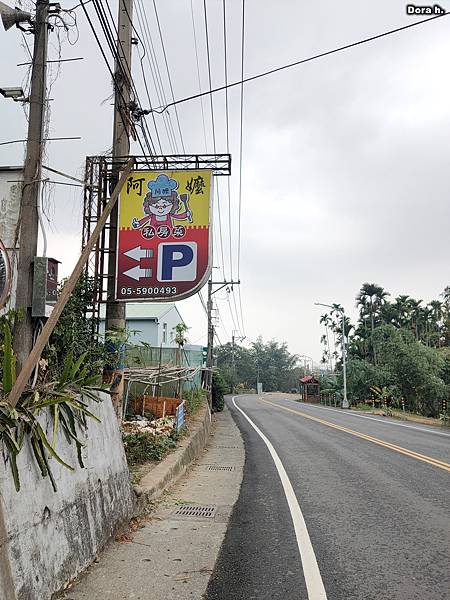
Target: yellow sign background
point(131, 200)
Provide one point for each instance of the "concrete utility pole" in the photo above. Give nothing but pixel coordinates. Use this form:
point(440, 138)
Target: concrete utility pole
point(115, 311)
point(233, 361)
point(29, 223)
point(209, 356)
point(209, 305)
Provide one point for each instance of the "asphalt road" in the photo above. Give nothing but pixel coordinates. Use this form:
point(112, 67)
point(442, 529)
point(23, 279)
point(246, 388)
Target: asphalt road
point(374, 495)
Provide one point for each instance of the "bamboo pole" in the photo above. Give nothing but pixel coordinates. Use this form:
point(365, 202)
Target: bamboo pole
point(46, 332)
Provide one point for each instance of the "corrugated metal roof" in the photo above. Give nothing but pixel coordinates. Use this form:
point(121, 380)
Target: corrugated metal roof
point(144, 310)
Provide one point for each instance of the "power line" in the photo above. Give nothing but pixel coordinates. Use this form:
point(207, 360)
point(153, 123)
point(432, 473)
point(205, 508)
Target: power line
point(198, 75)
point(146, 44)
point(241, 137)
point(161, 109)
point(213, 133)
point(168, 74)
point(128, 76)
point(116, 86)
point(230, 241)
point(156, 75)
point(141, 59)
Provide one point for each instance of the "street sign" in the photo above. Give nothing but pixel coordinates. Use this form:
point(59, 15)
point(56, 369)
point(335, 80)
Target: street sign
point(164, 240)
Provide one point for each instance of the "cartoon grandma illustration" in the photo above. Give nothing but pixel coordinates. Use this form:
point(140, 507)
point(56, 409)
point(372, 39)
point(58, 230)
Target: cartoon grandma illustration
point(161, 204)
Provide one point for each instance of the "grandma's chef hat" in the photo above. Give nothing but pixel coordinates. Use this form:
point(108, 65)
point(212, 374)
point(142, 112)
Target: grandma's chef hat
point(162, 186)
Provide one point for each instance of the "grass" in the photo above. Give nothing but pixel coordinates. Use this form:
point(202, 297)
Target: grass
point(144, 446)
point(194, 401)
point(399, 414)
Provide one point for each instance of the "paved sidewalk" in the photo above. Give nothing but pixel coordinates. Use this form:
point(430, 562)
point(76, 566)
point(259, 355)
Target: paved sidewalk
point(172, 557)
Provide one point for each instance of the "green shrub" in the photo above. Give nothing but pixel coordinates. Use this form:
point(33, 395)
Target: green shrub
point(219, 388)
point(144, 446)
point(194, 400)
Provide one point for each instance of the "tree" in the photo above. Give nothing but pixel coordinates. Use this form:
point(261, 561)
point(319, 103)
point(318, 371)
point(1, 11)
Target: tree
point(371, 297)
point(270, 363)
point(414, 369)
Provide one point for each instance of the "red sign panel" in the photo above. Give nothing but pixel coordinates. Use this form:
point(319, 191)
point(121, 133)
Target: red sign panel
point(164, 241)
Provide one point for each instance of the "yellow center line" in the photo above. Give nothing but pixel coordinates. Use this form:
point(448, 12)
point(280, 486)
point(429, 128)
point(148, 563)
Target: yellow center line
point(424, 458)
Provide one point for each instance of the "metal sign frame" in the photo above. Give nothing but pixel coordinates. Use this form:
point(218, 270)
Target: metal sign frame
point(100, 175)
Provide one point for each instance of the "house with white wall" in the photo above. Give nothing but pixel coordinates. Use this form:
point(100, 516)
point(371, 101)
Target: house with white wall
point(149, 322)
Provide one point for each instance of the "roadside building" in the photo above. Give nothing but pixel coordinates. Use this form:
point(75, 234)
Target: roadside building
point(309, 389)
point(149, 322)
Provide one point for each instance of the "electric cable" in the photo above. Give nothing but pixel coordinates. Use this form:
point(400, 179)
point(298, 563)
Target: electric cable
point(168, 74)
point(161, 109)
point(127, 75)
point(116, 86)
point(150, 60)
point(157, 78)
point(198, 75)
point(230, 241)
point(213, 134)
point(141, 59)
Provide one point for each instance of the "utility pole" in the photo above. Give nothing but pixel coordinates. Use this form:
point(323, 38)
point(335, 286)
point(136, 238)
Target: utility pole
point(209, 357)
point(233, 361)
point(115, 311)
point(29, 222)
point(209, 305)
point(344, 361)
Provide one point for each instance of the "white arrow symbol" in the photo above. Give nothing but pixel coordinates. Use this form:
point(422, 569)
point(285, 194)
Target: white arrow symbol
point(138, 273)
point(138, 253)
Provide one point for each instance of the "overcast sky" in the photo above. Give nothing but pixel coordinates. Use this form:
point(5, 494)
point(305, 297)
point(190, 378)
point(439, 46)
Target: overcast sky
point(345, 175)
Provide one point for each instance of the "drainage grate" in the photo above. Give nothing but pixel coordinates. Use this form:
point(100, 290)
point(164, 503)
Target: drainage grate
point(227, 447)
point(220, 468)
point(191, 510)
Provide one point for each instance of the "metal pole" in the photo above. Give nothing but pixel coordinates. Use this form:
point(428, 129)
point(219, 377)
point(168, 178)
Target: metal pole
point(344, 361)
point(209, 358)
point(233, 363)
point(29, 222)
point(115, 311)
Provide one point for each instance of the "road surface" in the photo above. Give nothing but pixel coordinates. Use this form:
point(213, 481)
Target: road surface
point(336, 505)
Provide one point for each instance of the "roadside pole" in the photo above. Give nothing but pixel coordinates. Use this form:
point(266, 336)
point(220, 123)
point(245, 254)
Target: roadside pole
point(209, 358)
point(209, 305)
point(233, 361)
point(115, 311)
point(344, 361)
point(29, 222)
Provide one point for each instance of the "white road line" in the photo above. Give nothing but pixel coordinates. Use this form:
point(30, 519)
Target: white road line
point(311, 572)
point(352, 414)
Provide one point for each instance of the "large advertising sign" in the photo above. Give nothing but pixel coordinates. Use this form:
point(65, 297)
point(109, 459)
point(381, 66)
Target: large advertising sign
point(164, 243)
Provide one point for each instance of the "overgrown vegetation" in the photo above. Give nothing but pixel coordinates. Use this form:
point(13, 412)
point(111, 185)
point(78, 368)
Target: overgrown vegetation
point(219, 388)
point(400, 346)
point(75, 334)
point(269, 363)
point(62, 397)
point(144, 446)
point(68, 372)
point(194, 399)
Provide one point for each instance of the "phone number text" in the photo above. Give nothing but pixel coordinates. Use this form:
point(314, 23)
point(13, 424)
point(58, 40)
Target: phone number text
point(148, 291)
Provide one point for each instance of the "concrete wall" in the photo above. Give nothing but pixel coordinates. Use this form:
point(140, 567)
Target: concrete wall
point(46, 537)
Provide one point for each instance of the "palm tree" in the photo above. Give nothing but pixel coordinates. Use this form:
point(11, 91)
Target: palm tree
point(325, 320)
point(372, 296)
point(403, 308)
point(415, 309)
point(436, 316)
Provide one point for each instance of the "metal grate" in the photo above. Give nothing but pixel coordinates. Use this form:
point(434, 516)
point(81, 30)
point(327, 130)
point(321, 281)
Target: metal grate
point(191, 510)
point(220, 468)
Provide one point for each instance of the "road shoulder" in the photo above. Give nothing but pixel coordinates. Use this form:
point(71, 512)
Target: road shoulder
point(172, 556)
